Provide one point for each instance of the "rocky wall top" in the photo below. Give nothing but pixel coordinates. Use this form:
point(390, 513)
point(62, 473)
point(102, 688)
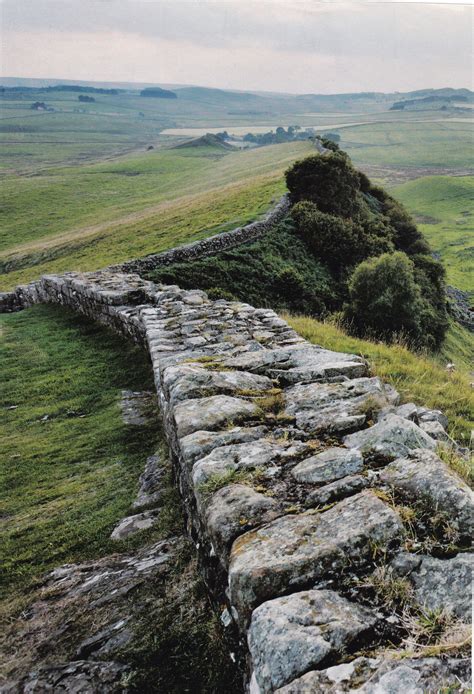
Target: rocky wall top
point(326, 520)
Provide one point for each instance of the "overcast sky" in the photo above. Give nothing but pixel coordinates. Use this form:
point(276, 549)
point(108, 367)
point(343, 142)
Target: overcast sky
point(295, 46)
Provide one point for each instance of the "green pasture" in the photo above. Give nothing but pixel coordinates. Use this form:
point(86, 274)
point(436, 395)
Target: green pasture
point(443, 207)
point(411, 144)
point(87, 217)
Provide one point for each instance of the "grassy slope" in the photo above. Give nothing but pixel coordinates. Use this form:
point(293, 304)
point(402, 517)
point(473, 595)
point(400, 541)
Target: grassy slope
point(419, 379)
point(448, 205)
point(69, 478)
point(137, 206)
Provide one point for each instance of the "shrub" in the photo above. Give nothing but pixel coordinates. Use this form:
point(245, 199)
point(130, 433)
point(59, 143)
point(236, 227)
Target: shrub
point(339, 242)
point(384, 297)
point(330, 181)
point(392, 295)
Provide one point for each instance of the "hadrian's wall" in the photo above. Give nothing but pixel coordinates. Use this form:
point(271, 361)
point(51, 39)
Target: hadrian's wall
point(210, 245)
point(310, 492)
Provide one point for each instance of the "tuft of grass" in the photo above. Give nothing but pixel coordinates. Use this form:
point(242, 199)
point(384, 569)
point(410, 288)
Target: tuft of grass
point(69, 465)
point(418, 378)
point(392, 590)
point(433, 633)
point(218, 480)
point(463, 466)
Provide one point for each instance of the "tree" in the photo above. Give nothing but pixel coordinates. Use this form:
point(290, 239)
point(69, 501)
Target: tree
point(330, 181)
point(384, 298)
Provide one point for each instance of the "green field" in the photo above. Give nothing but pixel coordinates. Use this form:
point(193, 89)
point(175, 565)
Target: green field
point(89, 217)
point(440, 144)
point(81, 191)
point(443, 207)
point(69, 466)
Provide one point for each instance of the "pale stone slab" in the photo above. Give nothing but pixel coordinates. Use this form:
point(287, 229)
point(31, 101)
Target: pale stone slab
point(210, 413)
point(294, 550)
point(423, 476)
point(392, 437)
point(330, 465)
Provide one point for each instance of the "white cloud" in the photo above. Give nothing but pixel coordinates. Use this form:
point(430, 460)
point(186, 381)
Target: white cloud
point(266, 44)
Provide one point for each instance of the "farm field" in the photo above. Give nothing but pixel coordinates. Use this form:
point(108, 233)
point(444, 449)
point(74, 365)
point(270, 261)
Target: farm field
point(443, 207)
point(89, 217)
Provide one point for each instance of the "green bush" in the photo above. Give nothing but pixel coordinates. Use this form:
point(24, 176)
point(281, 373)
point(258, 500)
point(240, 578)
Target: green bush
point(339, 242)
point(330, 181)
point(387, 301)
point(276, 271)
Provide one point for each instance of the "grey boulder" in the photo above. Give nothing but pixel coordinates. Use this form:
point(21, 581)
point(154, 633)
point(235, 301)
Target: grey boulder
point(330, 465)
point(291, 634)
point(210, 413)
point(201, 443)
point(335, 407)
point(134, 524)
point(423, 476)
point(392, 437)
point(232, 511)
point(439, 584)
point(386, 676)
point(294, 550)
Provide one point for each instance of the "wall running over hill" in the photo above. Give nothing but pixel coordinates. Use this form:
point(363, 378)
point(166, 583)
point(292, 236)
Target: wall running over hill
point(211, 244)
point(308, 489)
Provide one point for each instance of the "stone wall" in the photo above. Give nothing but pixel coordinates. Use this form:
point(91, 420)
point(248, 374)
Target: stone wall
point(211, 244)
point(325, 519)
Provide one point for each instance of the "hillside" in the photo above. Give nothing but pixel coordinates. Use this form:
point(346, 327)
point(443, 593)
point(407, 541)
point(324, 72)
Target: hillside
point(443, 207)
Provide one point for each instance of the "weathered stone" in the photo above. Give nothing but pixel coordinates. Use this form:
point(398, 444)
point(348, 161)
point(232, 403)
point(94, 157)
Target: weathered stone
point(337, 490)
point(289, 635)
point(304, 363)
point(106, 641)
point(200, 443)
point(425, 415)
point(77, 677)
point(330, 465)
point(137, 407)
point(435, 430)
point(241, 456)
point(186, 381)
point(334, 407)
point(390, 438)
point(151, 480)
point(386, 676)
point(294, 550)
point(408, 411)
point(439, 583)
point(424, 477)
point(232, 511)
point(134, 524)
point(210, 413)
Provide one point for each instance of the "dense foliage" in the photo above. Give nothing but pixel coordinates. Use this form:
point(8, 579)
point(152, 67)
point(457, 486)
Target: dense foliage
point(275, 271)
point(347, 245)
point(344, 220)
point(159, 93)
